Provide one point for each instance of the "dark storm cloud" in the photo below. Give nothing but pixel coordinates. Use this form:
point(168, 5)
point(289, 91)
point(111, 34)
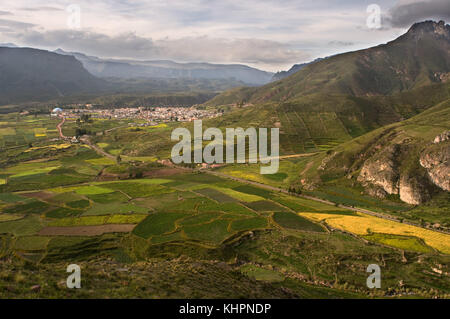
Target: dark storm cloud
point(404, 15)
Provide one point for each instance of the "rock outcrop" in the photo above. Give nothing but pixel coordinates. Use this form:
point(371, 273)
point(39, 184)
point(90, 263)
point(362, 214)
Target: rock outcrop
point(442, 137)
point(436, 160)
point(381, 170)
point(413, 190)
point(385, 172)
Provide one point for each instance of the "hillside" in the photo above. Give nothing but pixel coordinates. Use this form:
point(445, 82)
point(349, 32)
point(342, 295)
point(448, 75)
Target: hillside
point(29, 74)
point(418, 58)
point(295, 68)
point(409, 160)
point(320, 122)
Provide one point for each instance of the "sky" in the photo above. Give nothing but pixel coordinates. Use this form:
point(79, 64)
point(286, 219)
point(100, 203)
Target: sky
point(268, 34)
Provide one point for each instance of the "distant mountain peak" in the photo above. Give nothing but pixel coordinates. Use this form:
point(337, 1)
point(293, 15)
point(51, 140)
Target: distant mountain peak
point(426, 27)
point(8, 45)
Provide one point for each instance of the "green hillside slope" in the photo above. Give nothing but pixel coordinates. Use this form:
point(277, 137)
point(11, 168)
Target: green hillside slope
point(320, 122)
point(418, 58)
point(407, 161)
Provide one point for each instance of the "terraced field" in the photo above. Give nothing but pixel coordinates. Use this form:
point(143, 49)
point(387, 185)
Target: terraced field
point(362, 224)
point(196, 208)
point(61, 202)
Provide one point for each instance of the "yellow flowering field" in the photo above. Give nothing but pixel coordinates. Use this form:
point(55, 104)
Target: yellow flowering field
point(363, 224)
point(53, 146)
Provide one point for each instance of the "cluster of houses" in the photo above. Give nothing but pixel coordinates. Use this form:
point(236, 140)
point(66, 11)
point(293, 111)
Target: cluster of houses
point(154, 114)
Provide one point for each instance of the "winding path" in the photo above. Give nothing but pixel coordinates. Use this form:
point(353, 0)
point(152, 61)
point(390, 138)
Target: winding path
point(59, 127)
point(85, 139)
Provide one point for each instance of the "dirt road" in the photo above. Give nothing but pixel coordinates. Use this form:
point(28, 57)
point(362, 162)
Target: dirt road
point(59, 127)
point(85, 139)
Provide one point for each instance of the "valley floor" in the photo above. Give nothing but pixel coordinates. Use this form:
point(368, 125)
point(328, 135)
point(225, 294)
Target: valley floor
point(135, 226)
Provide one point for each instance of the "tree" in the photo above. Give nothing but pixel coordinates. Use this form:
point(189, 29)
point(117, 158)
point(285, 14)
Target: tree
point(80, 131)
point(118, 159)
point(85, 118)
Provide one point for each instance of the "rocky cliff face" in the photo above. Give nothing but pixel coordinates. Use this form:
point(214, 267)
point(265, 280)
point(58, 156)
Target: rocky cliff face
point(381, 171)
point(394, 170)
point(414, 190)
point(436, 160)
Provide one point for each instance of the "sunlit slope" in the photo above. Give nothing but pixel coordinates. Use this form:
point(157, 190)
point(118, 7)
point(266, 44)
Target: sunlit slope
point(321, 122)
point(418, 58)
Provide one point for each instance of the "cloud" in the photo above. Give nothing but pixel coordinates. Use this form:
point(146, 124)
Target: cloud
point(5, 13)
point(270, 34)
point(407, 13)
point(204, 49)
point(15, 25)
point(251, 51)
point(341, 43)
point(124, 45)
point(43, 8)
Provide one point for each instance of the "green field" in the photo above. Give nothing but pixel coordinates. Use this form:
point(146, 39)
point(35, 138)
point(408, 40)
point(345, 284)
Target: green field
point(293, 221)
point(186, 221)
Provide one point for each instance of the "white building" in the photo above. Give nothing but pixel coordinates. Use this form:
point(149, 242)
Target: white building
point(56, 111)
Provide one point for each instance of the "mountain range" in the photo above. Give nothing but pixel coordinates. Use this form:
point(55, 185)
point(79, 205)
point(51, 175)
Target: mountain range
point(356, 106)
point(127, 69)
point(419, 57)
point(28, 74)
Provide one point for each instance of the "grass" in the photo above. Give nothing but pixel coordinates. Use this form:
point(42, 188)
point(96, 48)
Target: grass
point(104, 161)
point(62, 212)
point(157, 224)
point(29, 207)
point(11, 198)
point(31, 243)
point(216, 195)
point(177, 236)
point(98, 220)
point(249, 224)
point(114, 208)
point(214, 232)
point(79, 204)
point(114, 197)
point(302, 204)
point(265, 206)
point(26, 226)
point(243, 197)
point(34, 171)
point(293, 221)
point(93, 190)
point(7, 131)
point(248, 189)
point(49, 147)
point(402, 242)
point(136, 190)
point(261, 274)
point(199, 219)
point(40, 132)
point(9, 217)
